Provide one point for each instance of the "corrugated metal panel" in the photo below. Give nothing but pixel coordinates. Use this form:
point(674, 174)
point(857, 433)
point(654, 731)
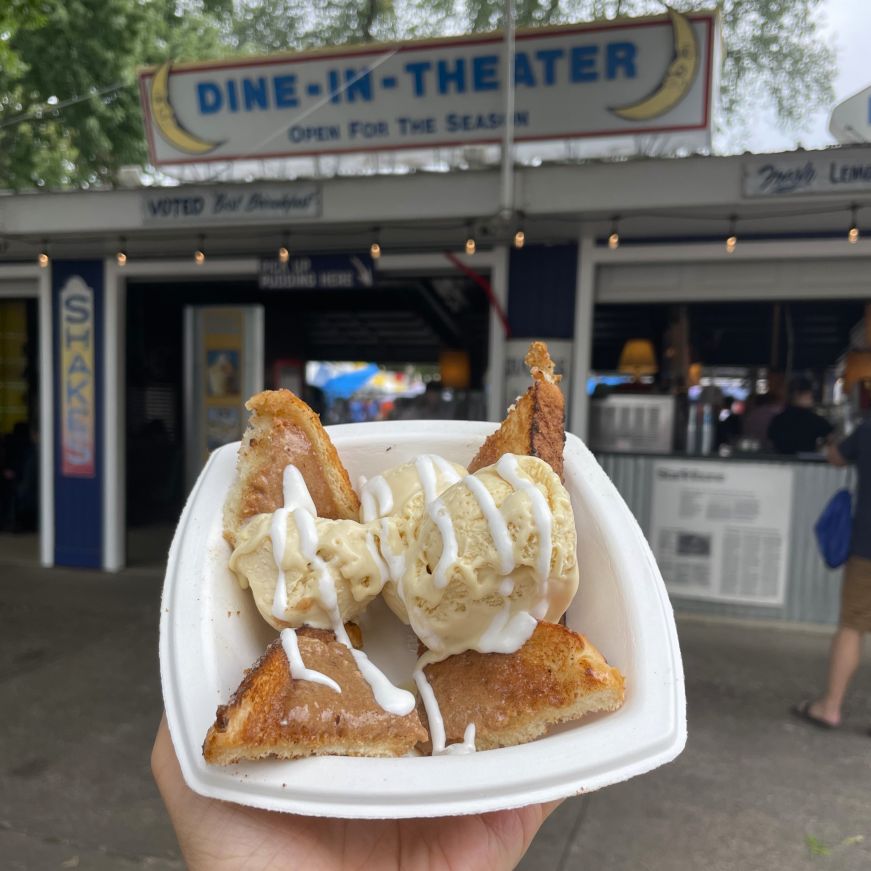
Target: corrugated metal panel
point(812, 590)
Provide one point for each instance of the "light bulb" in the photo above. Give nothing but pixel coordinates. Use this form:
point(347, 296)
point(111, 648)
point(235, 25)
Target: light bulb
point(732, 238)
point(42, 259)
point(614, 237)
point(375, 250)
point(853, 235)
point(283, 254)
point(199, 257)
point(519, 239)
point(470, 245)
point(121, 257)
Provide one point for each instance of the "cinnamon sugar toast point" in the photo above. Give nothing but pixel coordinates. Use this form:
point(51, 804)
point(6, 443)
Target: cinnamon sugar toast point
point(556, 677)
point(273, 715)
point(535, 424)
point(283, 430)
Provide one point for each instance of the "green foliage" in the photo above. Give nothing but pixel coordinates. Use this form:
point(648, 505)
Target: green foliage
point(54, 51)
point(73, 49)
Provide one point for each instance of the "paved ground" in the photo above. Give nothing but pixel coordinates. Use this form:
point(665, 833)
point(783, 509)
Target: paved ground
point(753, 790)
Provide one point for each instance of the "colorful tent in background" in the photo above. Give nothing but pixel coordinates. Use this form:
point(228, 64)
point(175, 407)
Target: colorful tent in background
point(344, 386)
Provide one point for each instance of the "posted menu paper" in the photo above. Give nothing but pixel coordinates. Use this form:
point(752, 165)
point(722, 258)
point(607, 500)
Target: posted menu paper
point(720, 531)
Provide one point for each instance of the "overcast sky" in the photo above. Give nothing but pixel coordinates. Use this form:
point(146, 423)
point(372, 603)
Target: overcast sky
point(847, 23)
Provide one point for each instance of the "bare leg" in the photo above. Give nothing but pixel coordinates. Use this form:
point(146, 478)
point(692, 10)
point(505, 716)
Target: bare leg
point(843, 662)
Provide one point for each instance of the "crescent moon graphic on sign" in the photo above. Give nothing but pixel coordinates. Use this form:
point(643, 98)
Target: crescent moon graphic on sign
point(167, 123)
point(678, 78)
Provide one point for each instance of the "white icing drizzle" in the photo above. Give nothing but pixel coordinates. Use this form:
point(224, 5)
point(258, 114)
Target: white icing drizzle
point(298, 669)
point(507, 634)
point(427, 474)
point(429, 466)
point(434, 715)
point(509, 469)
point(296, 495)
point(376, 498)
point(395, 561)
point(506, 587)
point(440, 515)
point(495, 521)
point(392, 699)
point(367, 506)
point(278, 534)
point(376, 557)
point(447, 471)
point(431, 705)
point(468, 745)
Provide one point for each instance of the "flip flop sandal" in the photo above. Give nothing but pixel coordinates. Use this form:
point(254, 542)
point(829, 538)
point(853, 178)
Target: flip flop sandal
point(802, 712)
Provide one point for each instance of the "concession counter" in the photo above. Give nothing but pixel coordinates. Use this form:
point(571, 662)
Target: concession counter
point(734, 536)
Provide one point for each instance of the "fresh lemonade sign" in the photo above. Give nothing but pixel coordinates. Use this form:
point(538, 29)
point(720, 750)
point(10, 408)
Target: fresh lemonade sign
point(617, 78)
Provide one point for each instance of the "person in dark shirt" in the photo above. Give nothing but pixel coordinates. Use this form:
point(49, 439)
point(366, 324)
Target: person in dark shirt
point(799, 429)
point(730, 424)
point(855, 618)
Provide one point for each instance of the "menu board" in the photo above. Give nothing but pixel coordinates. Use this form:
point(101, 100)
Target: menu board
point(720, 531)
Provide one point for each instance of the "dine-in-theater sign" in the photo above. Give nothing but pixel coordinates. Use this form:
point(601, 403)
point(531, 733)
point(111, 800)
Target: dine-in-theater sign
point(625, 77)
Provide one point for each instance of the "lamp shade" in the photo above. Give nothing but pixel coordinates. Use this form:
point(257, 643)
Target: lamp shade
point(857, 369)
point(455, 369)
point(638, 358)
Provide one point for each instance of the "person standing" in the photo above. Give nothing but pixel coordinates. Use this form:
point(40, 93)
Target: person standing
point(855, 618)
point(799, 429)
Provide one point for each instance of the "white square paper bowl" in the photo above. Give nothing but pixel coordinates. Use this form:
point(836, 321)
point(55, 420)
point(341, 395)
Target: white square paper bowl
point(210, 632)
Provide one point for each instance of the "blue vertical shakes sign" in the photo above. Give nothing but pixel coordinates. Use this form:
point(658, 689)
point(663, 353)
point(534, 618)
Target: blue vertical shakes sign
point(77, 304)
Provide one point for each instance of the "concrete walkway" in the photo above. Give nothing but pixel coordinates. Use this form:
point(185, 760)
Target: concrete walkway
point(753, 790)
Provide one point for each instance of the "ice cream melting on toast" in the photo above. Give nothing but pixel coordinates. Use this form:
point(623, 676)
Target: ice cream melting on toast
point(472, 562)
point(298, 511)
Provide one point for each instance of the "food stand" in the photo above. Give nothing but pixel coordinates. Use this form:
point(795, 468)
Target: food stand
point(544, 241)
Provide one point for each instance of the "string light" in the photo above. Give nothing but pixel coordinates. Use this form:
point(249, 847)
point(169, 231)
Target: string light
point(520, 234)
point(853, 234)
point(614, 238)
point(375, 247)
point(121, 256)
point(471, 247)
point(200, 253)
point(43, 258)
point(732, 238)
point(283, 252)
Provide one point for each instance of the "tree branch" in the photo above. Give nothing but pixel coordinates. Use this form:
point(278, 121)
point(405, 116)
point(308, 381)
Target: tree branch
point(370, 12)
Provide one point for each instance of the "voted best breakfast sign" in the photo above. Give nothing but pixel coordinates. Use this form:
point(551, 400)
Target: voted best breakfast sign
point(627, 77)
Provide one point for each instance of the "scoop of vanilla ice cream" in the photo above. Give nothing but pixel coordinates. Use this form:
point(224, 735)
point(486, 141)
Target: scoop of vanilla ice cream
point(492, 555)
point(392, 492)
point(397, 499)
point(346, 558)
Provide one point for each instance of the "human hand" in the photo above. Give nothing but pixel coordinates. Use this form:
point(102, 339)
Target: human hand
point(220, 836)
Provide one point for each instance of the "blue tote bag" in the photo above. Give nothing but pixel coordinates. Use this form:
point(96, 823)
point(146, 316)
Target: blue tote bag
point(834, 529)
